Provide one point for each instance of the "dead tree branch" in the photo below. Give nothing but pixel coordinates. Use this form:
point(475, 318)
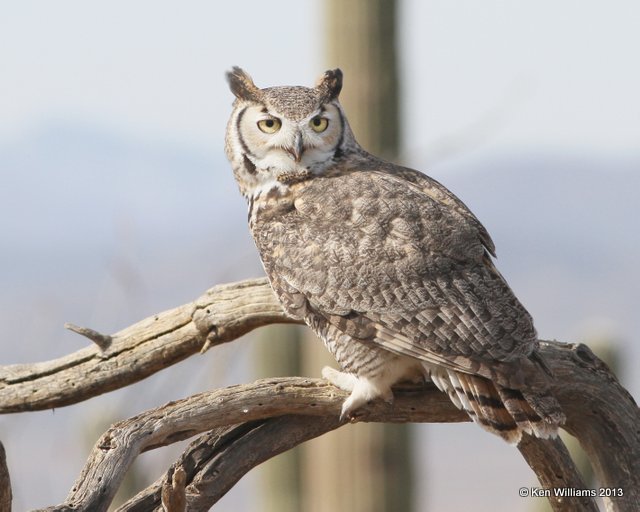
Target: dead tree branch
point(217, 460)
point(236, 405)
point(5, 481)
point(552, 464)
point(254, 422)
point(222, 314)
point(600, 412)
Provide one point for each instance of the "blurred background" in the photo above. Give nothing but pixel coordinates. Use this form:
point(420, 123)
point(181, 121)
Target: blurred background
point(116, 202)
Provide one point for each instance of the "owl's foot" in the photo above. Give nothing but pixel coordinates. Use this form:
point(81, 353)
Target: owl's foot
point(343, 380)
point(363, 390)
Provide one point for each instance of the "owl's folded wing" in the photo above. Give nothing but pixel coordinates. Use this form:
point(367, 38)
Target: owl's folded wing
point(414, 279)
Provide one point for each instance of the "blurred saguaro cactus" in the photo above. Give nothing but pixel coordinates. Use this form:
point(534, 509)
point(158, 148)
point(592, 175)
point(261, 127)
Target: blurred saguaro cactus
point(364, 467)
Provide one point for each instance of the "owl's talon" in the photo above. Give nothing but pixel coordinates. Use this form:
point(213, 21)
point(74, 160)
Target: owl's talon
point(364, 392)
point(348, 416)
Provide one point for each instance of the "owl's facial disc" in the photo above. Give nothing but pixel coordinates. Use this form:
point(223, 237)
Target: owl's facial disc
point(278, 144)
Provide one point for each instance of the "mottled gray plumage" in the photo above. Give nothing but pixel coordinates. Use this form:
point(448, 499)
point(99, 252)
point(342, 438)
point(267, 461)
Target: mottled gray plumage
point(390, 268)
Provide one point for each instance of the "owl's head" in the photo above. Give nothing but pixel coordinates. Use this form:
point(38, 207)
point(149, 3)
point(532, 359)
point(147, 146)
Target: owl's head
point(278, 133)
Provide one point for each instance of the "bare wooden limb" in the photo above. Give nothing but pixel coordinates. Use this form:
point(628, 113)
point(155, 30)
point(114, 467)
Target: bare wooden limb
point(603, 416)
point(117, 448)
point(173, 495)
point(551, 462)
point(222, 314)
point(217, 460)
point(102, 340)
point(5, 481)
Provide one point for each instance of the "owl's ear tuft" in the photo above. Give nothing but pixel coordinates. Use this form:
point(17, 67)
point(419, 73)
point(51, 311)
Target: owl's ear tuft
point(242, 85)
point(330, 85)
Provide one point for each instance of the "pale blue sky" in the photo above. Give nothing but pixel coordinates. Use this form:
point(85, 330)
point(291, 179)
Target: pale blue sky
point(494, 74)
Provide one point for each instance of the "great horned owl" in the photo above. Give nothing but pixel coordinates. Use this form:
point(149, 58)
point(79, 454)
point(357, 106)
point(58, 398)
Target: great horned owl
point(384, 263)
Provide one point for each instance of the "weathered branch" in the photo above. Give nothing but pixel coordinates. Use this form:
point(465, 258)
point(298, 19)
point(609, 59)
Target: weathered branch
point(173, 496)
point(604, 418)
point(217, 460)
point(102, 340)
point(5, 482)
point(222, 314)
point(600, 412)
point(552, 464)
point(117, 448)
point(252, 423)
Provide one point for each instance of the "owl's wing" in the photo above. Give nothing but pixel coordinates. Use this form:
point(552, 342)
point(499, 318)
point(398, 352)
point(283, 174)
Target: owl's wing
point(379, 259)
point(441, 194)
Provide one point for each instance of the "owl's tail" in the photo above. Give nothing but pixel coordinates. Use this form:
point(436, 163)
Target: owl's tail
point(501, 410)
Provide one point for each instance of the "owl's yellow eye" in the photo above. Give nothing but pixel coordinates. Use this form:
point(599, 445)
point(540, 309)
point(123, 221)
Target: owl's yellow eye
point(319, 124)
point(269, 125)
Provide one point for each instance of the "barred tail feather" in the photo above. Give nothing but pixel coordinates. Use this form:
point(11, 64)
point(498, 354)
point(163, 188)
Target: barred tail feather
point(502, 411)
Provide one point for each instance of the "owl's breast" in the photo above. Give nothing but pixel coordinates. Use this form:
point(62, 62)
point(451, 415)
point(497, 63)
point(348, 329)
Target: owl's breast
point(345, 233)
point(357, 217)
point(371, 239)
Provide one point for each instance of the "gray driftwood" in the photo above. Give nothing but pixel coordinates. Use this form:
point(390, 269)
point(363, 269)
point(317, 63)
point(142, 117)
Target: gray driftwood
point(241, 426)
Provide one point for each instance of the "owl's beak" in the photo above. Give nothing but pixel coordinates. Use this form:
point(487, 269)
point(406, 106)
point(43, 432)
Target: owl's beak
point(297, 148)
